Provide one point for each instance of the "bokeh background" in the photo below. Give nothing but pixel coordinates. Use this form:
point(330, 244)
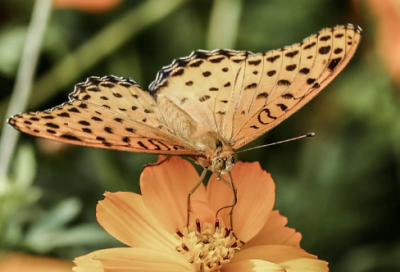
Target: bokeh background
point(341, 189)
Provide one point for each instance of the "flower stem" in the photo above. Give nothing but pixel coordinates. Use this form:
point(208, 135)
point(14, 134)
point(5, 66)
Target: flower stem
point(22, 87)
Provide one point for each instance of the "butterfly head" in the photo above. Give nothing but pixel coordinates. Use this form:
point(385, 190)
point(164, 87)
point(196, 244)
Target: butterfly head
point(224, 162)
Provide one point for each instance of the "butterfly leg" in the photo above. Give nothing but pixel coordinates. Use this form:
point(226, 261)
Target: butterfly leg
point(203, 175)
point(230, 184)
point(157, 163)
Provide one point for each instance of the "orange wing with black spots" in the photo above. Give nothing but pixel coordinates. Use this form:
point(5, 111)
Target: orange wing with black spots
point(292, 77)
point(108, 112)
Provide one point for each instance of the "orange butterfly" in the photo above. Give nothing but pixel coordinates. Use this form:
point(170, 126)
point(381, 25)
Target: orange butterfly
point(203, 106)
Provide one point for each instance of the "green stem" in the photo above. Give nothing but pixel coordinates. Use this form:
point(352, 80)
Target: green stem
point(26, 70)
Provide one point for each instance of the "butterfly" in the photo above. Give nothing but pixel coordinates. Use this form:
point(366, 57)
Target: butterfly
point(204, 106)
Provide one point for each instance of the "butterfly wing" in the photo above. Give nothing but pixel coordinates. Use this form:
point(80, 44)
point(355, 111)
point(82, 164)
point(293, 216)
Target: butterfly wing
point(241, 95)
point(291, 77)
point(202, 84)
point(108, 112)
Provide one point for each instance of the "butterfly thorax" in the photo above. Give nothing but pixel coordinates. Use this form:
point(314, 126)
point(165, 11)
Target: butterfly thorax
point(217, 153)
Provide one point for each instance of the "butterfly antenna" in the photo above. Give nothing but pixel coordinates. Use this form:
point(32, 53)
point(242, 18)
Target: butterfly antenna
point(311, 134)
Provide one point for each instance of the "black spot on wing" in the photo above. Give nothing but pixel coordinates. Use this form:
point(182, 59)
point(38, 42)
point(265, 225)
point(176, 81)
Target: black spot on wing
point(70, 137)
point(282, 106)
point(304, 71)
point(291, 67)
point(107, 85)
point(196, 63)
point(142, 145)
point(274, 58)
point(283, 82)
point(254, 62)
point(309, 46)
point(108, 130)
point(96, 119)
point(287, 96)
point(63, 114)
point(292, 54)
point(251, 86)
point(262, 96)
point(310, 81)
point(52, 125)
point(84, 123)
point(324, 49)
point(332, 65)
point(74, 110)
point(177, 72)
point(325, 38)
point(338, 50)
point(217, 60)
point(204, 98)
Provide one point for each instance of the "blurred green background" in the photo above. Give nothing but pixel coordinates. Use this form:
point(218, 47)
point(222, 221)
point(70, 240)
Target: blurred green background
point(341, 189)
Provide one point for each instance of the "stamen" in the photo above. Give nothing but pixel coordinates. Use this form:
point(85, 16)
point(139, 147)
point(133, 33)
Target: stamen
point(179, 233)
point(198, 225)
point(185, 247)
point(207, 247)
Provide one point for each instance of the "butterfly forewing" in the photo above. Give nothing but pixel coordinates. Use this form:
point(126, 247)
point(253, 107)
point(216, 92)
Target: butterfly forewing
point(107, 112)
point(330, 56)
point(202, 85)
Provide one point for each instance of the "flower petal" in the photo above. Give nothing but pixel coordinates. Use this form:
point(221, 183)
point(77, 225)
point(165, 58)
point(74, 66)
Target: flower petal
point(253, 266)
point(272, 253)
point(165, 190)
point(131, 259)
point(124, 216)
point(305, 265)
point(274, 232)
point(256, 197)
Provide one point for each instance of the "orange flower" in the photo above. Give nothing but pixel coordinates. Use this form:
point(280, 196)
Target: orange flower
point(154, 226)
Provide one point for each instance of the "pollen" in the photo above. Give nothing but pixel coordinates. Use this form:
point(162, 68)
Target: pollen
point(207, 246)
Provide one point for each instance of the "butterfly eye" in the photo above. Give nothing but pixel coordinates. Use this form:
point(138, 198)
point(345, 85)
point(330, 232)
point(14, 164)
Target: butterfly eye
point(234, 159)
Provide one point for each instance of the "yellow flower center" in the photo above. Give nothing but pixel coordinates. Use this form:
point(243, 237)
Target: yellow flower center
point(208, 247)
